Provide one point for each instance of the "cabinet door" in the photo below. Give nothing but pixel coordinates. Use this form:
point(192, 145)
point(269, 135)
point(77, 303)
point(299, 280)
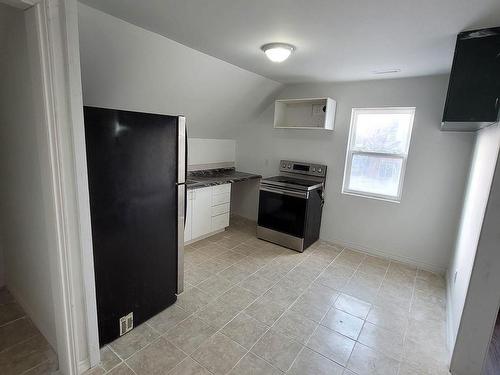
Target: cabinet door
point(473, 93)
point(189, 217)
point(202, 212)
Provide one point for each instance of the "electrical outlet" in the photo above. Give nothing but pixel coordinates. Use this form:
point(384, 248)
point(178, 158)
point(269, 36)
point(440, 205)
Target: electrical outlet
point(126, 323)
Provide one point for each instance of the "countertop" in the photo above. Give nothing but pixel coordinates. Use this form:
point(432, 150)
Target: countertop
point(199, 179)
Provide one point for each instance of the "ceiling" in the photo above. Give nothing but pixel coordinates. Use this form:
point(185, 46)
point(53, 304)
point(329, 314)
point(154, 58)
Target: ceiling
point(336, 40)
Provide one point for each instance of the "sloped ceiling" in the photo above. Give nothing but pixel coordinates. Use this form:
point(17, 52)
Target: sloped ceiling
point(126, 67)
point(336, 40)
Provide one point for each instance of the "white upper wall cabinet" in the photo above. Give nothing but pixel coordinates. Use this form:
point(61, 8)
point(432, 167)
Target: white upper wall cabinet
point(313, 113)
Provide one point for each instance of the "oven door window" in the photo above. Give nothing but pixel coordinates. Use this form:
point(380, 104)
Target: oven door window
point(282, 213)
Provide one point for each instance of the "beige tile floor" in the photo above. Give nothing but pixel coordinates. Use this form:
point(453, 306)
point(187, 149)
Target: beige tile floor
point(251, 307)
point(23, 350)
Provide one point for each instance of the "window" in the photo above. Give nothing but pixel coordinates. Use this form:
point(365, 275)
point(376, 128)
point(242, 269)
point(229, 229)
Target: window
point(379, 139)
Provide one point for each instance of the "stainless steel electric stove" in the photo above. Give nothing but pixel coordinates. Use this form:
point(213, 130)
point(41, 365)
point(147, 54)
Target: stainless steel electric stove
point(290, 205)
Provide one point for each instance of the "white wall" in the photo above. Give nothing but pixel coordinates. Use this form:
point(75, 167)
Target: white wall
point(467, 253)
point(422, 228)
point(125, 66)
point(210, 153)
point(22, 212)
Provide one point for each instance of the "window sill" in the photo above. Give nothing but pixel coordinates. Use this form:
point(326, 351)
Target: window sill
point(369, 196)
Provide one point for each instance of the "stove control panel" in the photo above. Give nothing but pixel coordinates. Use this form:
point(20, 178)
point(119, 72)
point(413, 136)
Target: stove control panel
point(309, 169)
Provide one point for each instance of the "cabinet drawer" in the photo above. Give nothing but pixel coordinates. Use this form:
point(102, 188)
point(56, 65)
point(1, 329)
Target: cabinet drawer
point(221, 198)
point(221, 189)
point(220, 209)
point(220, 221)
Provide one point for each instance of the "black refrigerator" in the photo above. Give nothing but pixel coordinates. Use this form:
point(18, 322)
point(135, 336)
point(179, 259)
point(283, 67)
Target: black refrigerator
point(136, 166)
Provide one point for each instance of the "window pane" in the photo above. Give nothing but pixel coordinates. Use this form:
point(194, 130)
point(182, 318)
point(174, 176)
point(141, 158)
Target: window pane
point(382, 132)
point(375, 174)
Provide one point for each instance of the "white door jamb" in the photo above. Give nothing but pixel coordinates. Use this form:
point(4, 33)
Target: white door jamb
point(52, 27)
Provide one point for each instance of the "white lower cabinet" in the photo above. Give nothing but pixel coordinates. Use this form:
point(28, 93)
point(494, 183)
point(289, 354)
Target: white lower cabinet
point(220, 221)
point(202, 212)
point(207, 211)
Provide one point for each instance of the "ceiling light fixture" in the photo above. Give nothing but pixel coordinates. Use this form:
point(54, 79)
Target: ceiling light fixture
point(277, 52)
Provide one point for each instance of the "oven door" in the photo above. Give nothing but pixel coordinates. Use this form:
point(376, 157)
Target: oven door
point(283, 210)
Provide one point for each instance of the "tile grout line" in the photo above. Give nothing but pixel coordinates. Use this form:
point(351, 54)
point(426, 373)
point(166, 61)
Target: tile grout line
point(259, 296)
point(380, 287)
point(355, 341)
point(14, 320)
point(401, 358)
point(384, 278)
point(198, 310)
point(163, 335)
point(130, 368)
point(37, 365)
point(405, 335)
point(187, 357)
point(21, 342)
point(364, 321)
point(269, 327)
point(247, 256)
point(318, 324)
point(284, 312)
point(122, 361)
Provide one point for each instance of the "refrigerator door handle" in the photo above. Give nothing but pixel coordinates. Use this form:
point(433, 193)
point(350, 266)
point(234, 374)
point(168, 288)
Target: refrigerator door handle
point(181, 200)
point(185, 169)
point(182, 153)
point(181, 190)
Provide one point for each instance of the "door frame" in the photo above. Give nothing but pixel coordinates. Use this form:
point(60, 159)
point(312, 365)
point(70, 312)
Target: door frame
point(52, 29)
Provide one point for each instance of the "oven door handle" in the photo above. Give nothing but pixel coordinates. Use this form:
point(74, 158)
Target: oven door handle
point(291, 193)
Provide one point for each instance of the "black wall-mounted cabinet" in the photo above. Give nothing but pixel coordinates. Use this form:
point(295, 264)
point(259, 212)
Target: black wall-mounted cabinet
point(474, 89)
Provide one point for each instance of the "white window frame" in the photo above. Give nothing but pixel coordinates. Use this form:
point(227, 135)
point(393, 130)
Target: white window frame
point(351, 151)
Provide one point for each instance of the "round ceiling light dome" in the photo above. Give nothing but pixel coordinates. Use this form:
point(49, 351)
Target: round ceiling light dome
point(277, 52)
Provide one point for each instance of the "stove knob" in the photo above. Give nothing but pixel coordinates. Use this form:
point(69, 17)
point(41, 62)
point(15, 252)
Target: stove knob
point(283, 165)
point(314, 169)
point(319, 170)
point(289, 166)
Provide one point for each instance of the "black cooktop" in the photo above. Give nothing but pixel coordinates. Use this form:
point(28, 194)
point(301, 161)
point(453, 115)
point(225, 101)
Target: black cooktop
point(287, 181)
point(291, 180)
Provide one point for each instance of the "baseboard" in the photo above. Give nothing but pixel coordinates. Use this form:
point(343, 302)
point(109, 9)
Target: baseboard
point(204, 236)
point(83, 365)
point(370, 251)
point(450, 336)
point(390, 256)
point(238, 217)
